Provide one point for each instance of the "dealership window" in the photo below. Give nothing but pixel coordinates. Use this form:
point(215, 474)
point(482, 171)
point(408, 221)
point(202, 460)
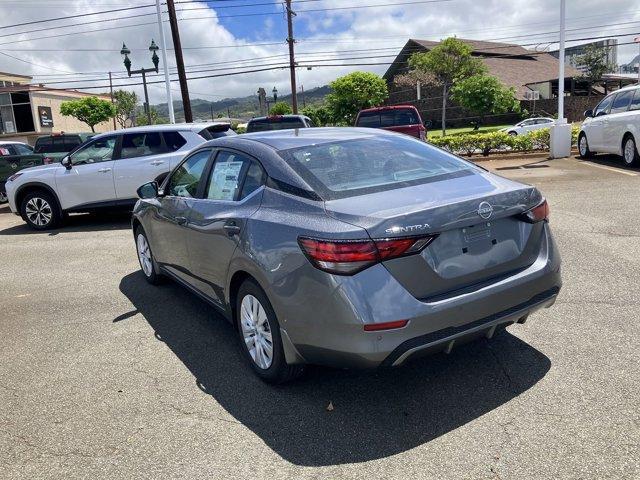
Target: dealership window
point(15, 113)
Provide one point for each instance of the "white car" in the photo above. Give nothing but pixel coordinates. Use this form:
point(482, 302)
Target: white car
point(105, 172)
point(613, 126)
point(529, 125)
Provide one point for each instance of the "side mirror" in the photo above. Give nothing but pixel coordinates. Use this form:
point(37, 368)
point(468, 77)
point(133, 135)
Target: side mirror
point(428, 123)
point(66, 162)
point(148, 190)
point(588, 113)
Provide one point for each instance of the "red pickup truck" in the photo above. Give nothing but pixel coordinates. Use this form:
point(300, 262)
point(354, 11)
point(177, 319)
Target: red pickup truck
point(398, 118)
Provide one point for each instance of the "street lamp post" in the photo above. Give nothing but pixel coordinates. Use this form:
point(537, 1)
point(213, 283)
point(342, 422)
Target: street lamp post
point(153, 48)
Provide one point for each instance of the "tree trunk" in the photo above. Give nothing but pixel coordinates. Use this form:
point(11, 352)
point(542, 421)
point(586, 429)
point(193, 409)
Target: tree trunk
point(444, 109)
point(92, 129)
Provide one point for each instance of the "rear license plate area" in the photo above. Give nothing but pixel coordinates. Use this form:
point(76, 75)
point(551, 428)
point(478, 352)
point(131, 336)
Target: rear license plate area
point(477, 237)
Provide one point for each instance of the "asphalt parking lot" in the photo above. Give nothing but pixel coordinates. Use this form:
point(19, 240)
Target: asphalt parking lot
point(104, 376)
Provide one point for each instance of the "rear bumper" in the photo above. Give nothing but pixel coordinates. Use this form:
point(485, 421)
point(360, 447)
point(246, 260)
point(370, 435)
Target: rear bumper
point(447, 338)
point(331, 333)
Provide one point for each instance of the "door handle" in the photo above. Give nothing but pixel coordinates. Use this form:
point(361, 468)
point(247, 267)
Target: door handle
point(157, 162)
point(181, 220)
point(231, 228)
point(104, 170)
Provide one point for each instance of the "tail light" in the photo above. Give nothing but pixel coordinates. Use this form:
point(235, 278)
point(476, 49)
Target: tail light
point(537, 213)
point(347, 257)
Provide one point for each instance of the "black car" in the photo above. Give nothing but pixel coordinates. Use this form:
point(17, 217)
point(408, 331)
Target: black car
point(278, 122)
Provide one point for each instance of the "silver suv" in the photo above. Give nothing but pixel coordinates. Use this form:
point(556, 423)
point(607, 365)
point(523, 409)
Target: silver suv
point(105, 172)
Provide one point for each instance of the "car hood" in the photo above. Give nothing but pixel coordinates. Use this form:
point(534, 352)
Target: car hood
point(41, 169)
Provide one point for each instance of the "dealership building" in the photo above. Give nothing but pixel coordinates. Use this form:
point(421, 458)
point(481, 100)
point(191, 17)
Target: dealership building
point(28, 111)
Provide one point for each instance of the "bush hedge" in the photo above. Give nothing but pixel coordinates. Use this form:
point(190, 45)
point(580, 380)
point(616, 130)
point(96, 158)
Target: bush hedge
point(472, 143)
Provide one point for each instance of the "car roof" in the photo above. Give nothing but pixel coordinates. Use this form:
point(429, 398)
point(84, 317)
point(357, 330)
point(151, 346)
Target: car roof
point(11, 142)
point(278, 116)
point(389, 107)
point(194, 127)
point(300, 137)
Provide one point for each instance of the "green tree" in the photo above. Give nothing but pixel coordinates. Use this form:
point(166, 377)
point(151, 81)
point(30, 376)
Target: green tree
point(90, 110)
point(320, 115)
point(126, 103)
point(484, 95)
point(448, 62)
point(156, 119)
point(593, 63)
point(352, 93)
point(280, 108)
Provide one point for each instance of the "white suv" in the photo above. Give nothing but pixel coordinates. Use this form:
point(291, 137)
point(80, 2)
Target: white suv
point(105, 172)
point(613, 126)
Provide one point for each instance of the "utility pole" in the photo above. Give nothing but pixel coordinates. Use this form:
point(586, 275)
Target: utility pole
point(561, 59)
point(304, 101)
point(165, 64)
point(177, 47)
point(228, 114)
point(111, 94)
point(211, 108)
point(292, 58)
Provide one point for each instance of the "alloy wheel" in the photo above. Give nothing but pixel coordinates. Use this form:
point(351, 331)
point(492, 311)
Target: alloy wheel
point(144, 254)
point(39, 212)
point(583, 146)
point(629, 151)
point(256, 331)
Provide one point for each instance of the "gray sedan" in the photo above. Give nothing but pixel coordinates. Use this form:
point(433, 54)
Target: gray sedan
point(347, 247)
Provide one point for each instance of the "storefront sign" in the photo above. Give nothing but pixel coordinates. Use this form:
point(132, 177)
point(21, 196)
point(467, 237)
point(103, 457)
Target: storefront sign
point(46, 119)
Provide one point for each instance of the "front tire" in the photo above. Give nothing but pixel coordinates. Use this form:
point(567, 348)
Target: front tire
point(40, 211)
point(145, 257)
point(259, 335)
point(583, 147)
point(630, 152)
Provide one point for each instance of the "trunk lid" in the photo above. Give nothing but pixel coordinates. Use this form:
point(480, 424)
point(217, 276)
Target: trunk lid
point(479, 238)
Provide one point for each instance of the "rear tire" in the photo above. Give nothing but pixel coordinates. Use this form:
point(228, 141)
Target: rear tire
point(259, 336)
point(630, 151)
point(583, 147)
point(40, 210)
point(145, 257)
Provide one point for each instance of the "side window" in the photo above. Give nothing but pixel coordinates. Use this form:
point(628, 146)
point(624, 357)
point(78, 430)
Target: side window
point(71, 142)
point(141, 145)
point(23, 149)
point(635, 102)
point(621, 102)
point(174, 141)
point(6, 150)
point(227, 174)
point(603, 106)
point(43, 144)
point(254, 179)
point(185, 179)
point(100, 150)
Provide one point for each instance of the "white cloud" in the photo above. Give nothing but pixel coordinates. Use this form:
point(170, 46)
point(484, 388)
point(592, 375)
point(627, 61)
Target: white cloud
point(380, 27)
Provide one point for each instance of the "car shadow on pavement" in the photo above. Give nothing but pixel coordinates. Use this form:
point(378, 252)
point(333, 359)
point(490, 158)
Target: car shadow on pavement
point(610, 161)
point(375, 413)
point(84, 222)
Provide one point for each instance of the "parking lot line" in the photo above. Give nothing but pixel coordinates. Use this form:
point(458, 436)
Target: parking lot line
point(612, 169)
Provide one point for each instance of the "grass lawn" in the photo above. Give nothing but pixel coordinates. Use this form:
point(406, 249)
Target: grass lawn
point(454, 131)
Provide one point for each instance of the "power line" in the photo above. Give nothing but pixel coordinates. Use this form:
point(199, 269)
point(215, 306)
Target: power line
point(67, 17)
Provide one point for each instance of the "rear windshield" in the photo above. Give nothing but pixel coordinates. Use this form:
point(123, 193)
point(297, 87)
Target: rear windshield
point(276, 123)
point(388, 118)
point(357, 167)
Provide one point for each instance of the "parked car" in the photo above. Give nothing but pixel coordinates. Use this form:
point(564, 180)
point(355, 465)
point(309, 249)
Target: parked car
point(14, 156)
point(55, 147)
point(347, 247)
point(613, 126)
point(529, 125)
point(399, 118)
point(105, 172)
point(278, 122)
